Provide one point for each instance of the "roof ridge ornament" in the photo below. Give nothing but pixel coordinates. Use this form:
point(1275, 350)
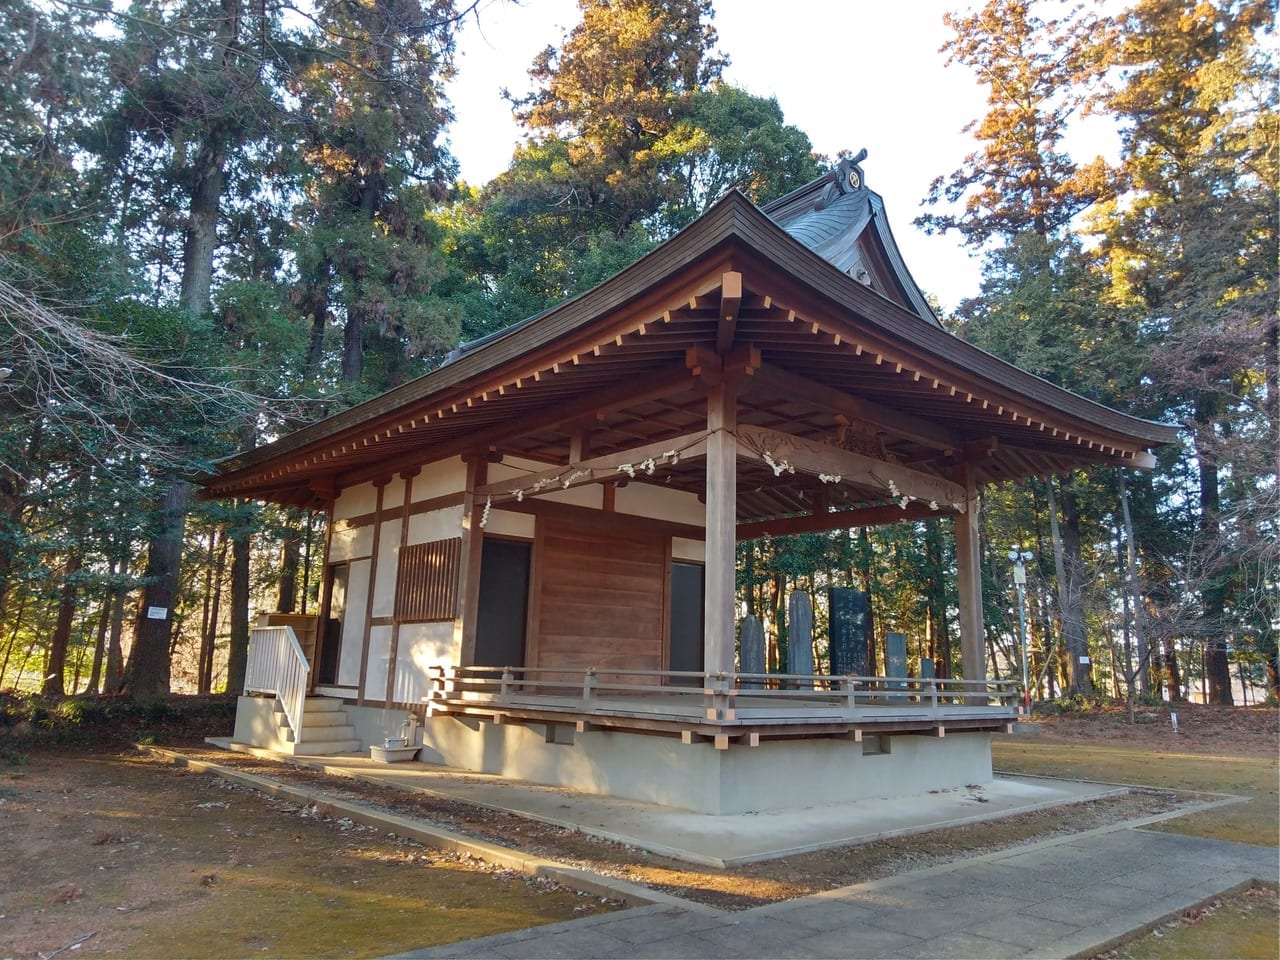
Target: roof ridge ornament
point(850, 171)
point(845, 178)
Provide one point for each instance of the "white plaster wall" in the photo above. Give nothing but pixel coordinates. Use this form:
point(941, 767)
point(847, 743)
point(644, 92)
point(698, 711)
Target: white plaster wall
point(384, 588)
point(514, 467)
point(393, 494)
point(345, 544)
point(504, 524)
point(354, 501)
point(693, 550)
point(650, 500)
point(375, 677)
point(589, 495)
point(444, 524)
point(439, 479)
point(353, 624)
point(421, 647)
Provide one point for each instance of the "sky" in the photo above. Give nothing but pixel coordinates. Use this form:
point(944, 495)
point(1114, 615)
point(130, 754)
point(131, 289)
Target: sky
point(849, 73)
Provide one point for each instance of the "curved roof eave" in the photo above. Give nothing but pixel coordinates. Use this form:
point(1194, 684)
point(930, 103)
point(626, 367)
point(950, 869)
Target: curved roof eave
point(732, 219)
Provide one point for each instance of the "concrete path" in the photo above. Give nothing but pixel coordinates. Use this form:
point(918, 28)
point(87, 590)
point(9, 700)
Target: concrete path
point(1057, 898)
point(717, 841)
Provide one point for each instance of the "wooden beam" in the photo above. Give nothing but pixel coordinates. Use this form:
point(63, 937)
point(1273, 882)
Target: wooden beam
point(787, 384)
point(839, 520)
point(814, 458)
point(730, 304)
point(687, 446)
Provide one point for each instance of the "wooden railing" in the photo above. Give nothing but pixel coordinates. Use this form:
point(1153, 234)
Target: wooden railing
point(723, 698)
point(278, 666)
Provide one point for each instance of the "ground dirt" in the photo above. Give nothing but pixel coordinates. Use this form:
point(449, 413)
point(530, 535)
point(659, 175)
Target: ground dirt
point(133, 851)
point(120, 854)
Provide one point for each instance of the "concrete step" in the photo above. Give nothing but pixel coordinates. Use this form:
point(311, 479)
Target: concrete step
point(321, 705)
point(343, 731)
point(326, 718)
point(324, 747)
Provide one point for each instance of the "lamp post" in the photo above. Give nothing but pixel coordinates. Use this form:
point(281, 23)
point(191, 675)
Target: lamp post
point(1019, 557)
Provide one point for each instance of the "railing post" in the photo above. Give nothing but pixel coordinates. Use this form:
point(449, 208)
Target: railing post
point(508, 678)
point(589, 688)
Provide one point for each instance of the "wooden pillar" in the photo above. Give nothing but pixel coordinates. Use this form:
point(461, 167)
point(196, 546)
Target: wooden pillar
point(464, 626)
point(394, 653)
point(721, 528)
point(969, 582)
point(381, 485)
point(326, 598)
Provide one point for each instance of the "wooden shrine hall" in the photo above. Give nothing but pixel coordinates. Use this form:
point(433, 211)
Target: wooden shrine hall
point(532, 548)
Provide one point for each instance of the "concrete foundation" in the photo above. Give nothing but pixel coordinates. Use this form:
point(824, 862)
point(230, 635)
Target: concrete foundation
point(777, 775)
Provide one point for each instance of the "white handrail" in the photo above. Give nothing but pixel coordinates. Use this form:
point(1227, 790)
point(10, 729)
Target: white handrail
point(278, 666)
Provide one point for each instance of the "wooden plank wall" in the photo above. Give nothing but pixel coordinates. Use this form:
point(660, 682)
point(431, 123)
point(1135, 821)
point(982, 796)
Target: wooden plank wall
point(600, 598)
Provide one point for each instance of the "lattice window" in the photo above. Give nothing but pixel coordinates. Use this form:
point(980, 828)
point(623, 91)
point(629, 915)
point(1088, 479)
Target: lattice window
point(427, 581)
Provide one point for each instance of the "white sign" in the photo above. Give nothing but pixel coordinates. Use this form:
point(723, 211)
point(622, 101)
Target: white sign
point(157, 613)
point(1084, 659)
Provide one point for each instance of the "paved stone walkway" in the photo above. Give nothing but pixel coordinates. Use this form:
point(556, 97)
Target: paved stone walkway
point(1056, 898)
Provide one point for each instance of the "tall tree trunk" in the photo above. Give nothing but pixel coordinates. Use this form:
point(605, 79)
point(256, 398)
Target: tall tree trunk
point(1173, 672)
point(215, 617)
point(353, 345)
point(238, 651)
point(1069, 565)
point(1134, 591)
point(290, 562)
point(54, 683)
point(939, 633)
point(315, 305)
point(778, 612)
point(201, 238)
point(1213, 568)
point(100, 636)
point(113, 682)
point(147, 674)
point(1126, 602)
point(209, 625)
point(13, 639)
